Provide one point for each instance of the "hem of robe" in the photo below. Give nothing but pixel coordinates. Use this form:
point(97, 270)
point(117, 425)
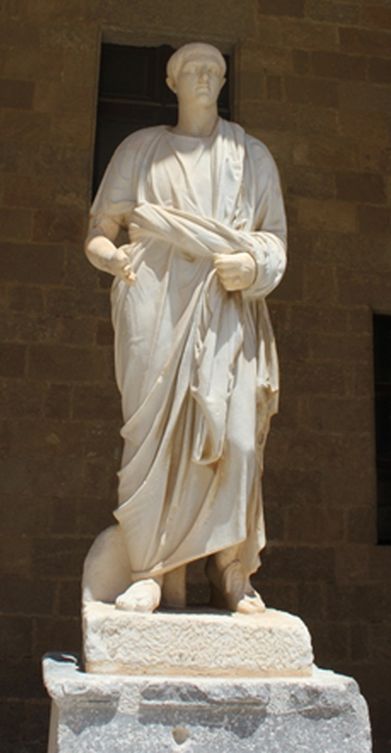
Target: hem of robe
point(157, 570)
point(272, 401)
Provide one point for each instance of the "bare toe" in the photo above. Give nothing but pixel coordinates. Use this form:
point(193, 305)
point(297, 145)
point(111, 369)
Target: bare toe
point(251, 603)
point(142, 596)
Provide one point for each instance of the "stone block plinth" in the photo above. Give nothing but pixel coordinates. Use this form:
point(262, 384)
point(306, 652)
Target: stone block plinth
point(203, 643)
point(146, 714)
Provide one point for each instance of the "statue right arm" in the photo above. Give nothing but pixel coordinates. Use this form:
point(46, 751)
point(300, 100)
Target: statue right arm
point(110, 212)
point(102, 252)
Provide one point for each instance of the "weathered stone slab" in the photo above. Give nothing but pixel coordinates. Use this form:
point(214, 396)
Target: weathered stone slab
point(111, 714)
point(210, 644)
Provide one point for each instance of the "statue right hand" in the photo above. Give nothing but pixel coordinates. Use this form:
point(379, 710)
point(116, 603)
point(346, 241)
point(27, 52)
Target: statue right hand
point(119, 265)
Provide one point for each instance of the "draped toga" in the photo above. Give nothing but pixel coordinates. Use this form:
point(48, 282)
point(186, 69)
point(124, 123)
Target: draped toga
point(196, 365)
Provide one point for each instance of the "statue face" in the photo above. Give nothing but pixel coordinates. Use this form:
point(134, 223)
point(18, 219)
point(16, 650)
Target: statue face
point(199, 81)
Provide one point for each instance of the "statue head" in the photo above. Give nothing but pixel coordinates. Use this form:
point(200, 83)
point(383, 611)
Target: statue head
point(196, 73)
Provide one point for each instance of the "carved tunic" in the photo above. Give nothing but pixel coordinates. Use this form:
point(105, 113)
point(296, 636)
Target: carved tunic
point(196, 365)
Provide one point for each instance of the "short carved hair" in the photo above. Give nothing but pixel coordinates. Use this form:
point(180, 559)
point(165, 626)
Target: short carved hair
point(188, 51)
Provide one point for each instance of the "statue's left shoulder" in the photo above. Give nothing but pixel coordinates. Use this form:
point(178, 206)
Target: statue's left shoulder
point(255, 148)
point(258, 150)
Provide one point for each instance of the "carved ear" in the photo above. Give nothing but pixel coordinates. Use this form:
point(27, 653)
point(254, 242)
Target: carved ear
point(171, 84)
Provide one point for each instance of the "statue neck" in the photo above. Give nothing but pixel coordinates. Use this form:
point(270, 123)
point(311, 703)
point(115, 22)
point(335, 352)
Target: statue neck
point(196, 122)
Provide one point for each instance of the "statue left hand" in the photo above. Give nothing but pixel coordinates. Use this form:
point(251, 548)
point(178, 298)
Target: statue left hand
point(235, 271)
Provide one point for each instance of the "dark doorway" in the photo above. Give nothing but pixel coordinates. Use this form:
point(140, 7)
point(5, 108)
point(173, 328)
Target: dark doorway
point(382, 355)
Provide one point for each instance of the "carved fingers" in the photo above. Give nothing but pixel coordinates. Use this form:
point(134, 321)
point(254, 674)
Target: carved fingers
point(121, 266)
point(127, 274)
point(235, 271)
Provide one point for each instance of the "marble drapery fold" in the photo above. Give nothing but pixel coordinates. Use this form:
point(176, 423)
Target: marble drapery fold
point(196, 365)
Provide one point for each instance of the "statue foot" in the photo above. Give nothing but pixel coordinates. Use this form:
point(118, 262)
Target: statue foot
point(231, 589)
point(142, 596)
point(251, 602)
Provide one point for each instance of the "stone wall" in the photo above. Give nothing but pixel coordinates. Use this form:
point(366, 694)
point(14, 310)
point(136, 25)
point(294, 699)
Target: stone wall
point(313, 81)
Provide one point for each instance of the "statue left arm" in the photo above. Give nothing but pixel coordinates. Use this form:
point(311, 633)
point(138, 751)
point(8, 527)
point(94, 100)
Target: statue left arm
point(268, 241)
point(260, 264)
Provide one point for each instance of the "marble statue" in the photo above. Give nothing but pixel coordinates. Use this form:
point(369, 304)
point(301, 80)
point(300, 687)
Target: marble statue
point(195, 356)
point(197, 369)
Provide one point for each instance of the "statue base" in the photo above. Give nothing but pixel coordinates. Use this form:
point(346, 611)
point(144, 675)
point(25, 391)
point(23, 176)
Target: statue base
point(197, 643)
point(123, 714)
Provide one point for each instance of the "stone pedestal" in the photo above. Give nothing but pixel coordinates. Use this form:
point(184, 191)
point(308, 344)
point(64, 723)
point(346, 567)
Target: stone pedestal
point(145, 714)
point(200, 643)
